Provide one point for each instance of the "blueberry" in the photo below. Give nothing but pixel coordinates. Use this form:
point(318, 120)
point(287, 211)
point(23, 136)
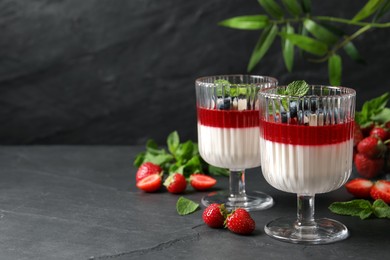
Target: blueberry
point(303, 104)
point(223, 103)
point(284, 117)
point(293, 109)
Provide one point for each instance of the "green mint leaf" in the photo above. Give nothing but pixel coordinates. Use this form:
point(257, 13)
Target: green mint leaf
point(159, 159)
point(297, 88)
point(173, 141)
point(359, 208)
point(218, 171)
point(192, 166)
point(381, 209)
point(185, 206)
point(246, 22)
point(139, 159)
point(382, 117)
point(184, 151)
point(371, 108)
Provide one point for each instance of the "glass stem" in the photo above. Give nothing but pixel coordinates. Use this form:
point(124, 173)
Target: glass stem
point(237, 184)
point(305, 212)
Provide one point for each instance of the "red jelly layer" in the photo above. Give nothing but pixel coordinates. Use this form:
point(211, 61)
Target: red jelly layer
point(228, 118)
point(306, 135)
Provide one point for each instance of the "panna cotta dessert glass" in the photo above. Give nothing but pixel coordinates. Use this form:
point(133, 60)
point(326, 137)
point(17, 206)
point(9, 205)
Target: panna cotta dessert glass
point(306, 138)
point(228, 134)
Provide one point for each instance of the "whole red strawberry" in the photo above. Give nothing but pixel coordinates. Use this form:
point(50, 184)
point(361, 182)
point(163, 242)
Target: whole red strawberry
point(380, 133)
point(371, 147)
point(360, 188)
point(368, 167)
point(147, 169)
point(240, 222)
point(357, 135)
point(214, 215)
point(176, 183)
point(381, 190)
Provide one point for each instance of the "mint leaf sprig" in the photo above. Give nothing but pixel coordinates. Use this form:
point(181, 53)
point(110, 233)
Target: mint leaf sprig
point(181, 158)
point(361, 208)
point(374, 111)
point(297, 88)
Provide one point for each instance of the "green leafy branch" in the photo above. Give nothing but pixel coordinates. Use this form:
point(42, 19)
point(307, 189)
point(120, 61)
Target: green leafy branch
point(319, 38)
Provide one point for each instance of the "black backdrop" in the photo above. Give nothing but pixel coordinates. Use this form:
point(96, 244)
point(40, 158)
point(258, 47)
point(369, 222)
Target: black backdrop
point(120, 72)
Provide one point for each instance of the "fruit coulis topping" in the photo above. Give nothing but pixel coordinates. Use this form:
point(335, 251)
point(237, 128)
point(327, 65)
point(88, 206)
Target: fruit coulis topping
point(228, 118)
point(306, 135)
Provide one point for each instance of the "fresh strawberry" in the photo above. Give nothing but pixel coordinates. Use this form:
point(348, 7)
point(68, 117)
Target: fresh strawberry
point(367, 167)
point(214, 215)
point(201, 181)
point(380, 132)
point(381, 190)
point(240, 222)
point(147, 169)
point(371, 147)
point(360, 188)
point(150, 183)
point(176, 183)
point(357, 135)
point(366, 130)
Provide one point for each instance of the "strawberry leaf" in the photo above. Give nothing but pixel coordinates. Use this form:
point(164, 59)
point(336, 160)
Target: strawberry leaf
point(185, 206)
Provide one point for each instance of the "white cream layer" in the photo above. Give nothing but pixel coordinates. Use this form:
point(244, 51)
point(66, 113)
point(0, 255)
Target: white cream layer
point(233, 148)
point(306, 169)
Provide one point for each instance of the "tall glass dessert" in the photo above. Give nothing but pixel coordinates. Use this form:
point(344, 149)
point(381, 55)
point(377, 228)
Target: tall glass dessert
point(228, 134)
point(307, 132)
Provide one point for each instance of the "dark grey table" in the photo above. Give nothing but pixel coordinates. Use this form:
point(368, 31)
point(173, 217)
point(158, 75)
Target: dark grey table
point(80, 202)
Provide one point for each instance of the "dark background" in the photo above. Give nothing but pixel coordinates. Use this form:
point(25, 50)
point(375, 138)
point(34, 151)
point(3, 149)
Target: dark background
point(121, 72)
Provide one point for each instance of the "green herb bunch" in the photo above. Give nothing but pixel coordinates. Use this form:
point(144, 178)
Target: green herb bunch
point(319, 38)
point(180, 157)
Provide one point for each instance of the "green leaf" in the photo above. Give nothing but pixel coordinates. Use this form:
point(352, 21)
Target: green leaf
point(368, 9)
point(381, 209)
point(307, 44)
point(288, 48)
point(382, 117)
point(218, 171)
point(335, 69)
point(192, 166)
point(139, 159)
point(264, 43)
point(293, 7)
point(359, 208)
point(306, 6)
point(185, 206)
point(159, 159)
point(184, 151)
point(247, 22)
point(382, 11)
point(173, 141)
point(320, 32)
point(272, 8)
point(353, 53)
point(297, 88)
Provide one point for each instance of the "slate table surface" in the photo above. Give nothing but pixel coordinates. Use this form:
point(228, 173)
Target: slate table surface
point(80, 202)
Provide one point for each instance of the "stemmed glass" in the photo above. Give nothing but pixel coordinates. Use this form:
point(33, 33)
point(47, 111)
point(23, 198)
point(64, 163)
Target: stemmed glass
point(228, 134)
point(309, 144)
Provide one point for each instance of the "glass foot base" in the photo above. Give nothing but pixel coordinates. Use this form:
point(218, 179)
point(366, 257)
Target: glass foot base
point(251, 201)
point(324, 232)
